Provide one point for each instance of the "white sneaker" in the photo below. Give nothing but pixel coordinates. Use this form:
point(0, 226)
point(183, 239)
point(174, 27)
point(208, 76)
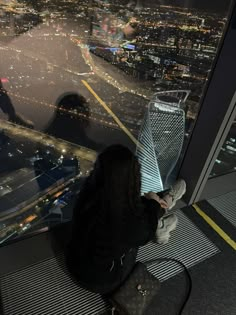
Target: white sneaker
point(165, 226)
point(176, 192)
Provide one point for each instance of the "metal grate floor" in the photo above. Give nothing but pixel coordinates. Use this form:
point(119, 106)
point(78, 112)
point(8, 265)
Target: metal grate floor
point(46, 289)
point(187, 244)
point(226, 205)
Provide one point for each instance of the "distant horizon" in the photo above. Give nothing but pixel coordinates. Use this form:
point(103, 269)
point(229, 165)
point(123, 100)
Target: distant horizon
point(213, 6)
point(219, 6)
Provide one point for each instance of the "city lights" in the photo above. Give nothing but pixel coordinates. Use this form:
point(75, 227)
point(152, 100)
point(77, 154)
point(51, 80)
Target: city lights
point(77, 76)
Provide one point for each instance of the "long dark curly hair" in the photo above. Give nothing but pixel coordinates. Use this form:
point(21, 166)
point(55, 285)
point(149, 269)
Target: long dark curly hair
point(111, 193)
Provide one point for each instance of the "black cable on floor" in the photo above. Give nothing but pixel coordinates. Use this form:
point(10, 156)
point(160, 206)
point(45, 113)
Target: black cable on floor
point(159, 260)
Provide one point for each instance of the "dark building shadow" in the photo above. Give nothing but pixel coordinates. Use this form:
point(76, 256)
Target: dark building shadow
point(71, 120)
point(8, 109)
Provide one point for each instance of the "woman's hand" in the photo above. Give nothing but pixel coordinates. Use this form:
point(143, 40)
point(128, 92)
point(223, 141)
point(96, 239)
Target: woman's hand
point(154, 196)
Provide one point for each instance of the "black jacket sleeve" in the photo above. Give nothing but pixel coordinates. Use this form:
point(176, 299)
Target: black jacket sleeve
point(143, 228)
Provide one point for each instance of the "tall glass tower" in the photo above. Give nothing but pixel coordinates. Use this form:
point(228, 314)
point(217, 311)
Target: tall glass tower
point(161, 138)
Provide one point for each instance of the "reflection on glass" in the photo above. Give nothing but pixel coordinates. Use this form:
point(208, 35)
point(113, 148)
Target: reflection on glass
point(226, 161)
point(77, 76)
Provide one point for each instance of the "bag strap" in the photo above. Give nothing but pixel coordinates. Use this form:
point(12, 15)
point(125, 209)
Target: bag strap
point(159, 260)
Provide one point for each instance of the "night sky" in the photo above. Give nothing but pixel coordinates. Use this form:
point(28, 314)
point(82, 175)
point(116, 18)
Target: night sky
point(211, 5)
point(218, 6)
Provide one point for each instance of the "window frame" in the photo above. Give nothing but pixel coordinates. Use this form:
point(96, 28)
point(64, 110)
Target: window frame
point(219, 103)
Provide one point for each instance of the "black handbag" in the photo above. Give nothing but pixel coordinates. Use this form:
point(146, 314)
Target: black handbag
point(140, 288)
point(136, 293)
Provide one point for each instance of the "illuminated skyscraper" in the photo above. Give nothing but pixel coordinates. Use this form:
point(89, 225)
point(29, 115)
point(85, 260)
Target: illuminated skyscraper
point(161, 138)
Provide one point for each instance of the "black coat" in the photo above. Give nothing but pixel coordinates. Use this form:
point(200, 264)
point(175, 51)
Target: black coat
point(99, 263)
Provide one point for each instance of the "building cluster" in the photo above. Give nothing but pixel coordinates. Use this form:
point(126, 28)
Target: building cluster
point(168, 50)
point(36, 181)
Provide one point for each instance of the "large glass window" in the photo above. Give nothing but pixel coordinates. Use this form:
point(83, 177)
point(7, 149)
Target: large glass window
point(226, 160)
point(77, 76)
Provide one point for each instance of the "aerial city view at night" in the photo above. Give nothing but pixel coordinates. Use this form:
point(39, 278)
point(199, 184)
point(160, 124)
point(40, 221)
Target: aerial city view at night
point(76, 76)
